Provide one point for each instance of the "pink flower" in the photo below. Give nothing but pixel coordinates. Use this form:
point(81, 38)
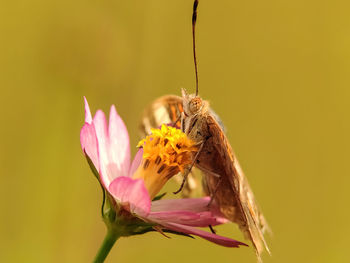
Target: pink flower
point(107, 147)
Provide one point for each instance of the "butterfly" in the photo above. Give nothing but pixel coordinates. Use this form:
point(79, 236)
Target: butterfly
point(223, 178)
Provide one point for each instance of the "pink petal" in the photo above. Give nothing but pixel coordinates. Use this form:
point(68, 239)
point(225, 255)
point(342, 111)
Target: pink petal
point(105, 168)
point(89, 144)
point(196, 205)
point(119, 144)
point(202, 219)
point(188, 204)
point(113, 146)
point(88, 118)
point(132, 192)
point(88, 138)
point(136, 162)
point(220, 240)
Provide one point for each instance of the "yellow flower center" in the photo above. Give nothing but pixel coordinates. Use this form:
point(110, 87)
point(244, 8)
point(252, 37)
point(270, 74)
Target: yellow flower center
point(166, 152)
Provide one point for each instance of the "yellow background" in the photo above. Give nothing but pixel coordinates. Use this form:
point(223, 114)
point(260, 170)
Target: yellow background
point(277, 72)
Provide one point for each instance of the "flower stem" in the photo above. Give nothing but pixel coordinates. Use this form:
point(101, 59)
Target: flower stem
point(106, 246)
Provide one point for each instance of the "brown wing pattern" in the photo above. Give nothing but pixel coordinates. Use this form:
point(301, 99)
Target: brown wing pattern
point(243, 209)
point(166, 109)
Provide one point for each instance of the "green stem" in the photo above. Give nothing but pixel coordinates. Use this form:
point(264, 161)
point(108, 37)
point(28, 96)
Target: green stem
point(106, 247)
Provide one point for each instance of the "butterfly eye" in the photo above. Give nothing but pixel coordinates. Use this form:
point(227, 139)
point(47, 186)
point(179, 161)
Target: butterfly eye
point(195, 105)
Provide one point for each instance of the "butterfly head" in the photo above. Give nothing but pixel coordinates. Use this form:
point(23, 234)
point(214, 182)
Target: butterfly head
point(192, 104)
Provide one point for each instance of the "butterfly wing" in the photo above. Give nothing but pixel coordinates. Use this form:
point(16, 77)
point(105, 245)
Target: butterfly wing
point(166, 109)
point(234, 194)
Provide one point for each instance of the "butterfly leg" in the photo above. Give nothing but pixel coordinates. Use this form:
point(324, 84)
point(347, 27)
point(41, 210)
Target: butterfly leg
point(182, 116)
point(207, 171)
point(212, 195)
point(174, 124)
point(212, 229)
point(188, 170)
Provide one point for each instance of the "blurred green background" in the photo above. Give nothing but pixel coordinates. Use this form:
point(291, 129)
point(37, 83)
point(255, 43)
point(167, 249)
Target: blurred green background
point(277, 72)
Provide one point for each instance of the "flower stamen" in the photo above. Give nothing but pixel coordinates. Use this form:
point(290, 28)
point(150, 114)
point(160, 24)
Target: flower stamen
point(166, 152)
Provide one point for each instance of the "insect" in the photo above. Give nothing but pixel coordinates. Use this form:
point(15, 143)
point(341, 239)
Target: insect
point(223, 178)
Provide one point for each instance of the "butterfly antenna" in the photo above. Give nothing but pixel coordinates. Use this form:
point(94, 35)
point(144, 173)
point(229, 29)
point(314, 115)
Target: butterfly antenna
point(194, 19)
